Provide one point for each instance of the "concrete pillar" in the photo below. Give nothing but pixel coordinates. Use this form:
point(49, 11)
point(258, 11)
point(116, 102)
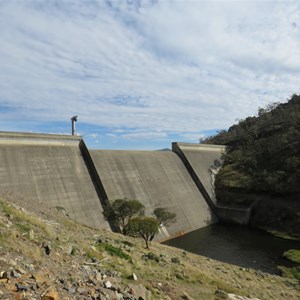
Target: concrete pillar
point(73, 119)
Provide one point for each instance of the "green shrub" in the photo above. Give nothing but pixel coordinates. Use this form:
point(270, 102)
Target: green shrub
point(292, 255)
point(112, 250)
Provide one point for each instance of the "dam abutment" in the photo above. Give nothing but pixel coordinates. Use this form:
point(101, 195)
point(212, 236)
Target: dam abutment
point(203, 162)
point(176, 148)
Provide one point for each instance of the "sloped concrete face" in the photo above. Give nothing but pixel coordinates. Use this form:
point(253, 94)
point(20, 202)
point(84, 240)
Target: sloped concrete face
point(204, 160)
point(157, 179)
point(50, 168)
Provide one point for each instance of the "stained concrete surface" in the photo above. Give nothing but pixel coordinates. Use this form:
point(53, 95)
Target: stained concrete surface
point(205, 161)
point(50, 168)
point(61, 171)
point(157, 179)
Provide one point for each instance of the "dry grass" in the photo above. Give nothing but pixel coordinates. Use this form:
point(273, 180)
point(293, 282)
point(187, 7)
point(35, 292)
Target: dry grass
point(196, 275)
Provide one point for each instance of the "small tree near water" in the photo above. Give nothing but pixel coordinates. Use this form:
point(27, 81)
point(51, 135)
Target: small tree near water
point(128, 216)
point(121, 211)
point(144, 227)
point(164, 216)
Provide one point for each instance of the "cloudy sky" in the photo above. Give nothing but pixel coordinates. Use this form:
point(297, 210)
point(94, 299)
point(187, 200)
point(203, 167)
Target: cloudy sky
point(143, 73)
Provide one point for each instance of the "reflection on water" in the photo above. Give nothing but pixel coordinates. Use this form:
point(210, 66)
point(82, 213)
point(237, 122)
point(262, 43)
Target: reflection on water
point(237, 245)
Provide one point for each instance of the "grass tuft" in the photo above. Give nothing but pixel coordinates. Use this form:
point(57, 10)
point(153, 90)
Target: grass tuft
point(292, 255)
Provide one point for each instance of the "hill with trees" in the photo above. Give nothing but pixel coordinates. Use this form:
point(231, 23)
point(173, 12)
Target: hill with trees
point(262, 166)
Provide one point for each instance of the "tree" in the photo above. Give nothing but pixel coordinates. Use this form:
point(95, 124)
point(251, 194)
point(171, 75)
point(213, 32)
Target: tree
point(121, 211)
point(144, 227)
point(164, 217)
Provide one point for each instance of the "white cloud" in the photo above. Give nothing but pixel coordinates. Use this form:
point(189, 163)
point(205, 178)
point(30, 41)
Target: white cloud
point(151, 66)
point(193, 137)
point(93, 135)
point(144, 135)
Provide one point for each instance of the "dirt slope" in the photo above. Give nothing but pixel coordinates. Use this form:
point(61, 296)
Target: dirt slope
point(45, 255)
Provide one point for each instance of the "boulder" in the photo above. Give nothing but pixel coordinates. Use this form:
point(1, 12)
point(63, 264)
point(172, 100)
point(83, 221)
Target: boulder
point(140, 292)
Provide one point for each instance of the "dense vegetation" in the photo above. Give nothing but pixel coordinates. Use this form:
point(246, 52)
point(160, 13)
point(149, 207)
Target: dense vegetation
point(262, 161)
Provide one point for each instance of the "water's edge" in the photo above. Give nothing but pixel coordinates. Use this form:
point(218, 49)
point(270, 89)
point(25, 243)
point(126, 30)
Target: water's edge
point(238, 245)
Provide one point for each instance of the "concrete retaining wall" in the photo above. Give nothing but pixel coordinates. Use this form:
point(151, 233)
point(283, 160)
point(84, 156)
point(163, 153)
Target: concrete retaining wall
point(203, 163)
point(157, 179)
point(234, 215)
point(50, 168)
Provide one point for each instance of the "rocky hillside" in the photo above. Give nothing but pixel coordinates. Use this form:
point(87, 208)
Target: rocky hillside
point(262, 166)
point(44, 255)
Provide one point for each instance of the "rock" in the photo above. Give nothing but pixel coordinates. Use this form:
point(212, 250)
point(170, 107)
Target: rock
point(140, 292)
point(107, 284)
point(72, 290)
point(103, 272)
point(39, 277)
point(29, 267)
point(133, 277)
point(4, 275)
point(186, 296)
point(179, 276)
point(21, 287)
point(12, 263)
point(47, 247)
point(82, 291)
point(221, 294)
point(50, 295)
point(15, 274)
point(113, 273)
point(175, 260)
point(1, 294)
point(260, 273)
point(109, 294)
point(21, 271)
point(151, 256)
point(98, 277)
point(69, 250)
point(33, 287)
point(236, 297)
point(86, 270)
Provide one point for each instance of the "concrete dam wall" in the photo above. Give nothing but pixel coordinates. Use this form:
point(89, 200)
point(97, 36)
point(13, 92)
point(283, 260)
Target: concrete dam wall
point(50, 168)
point(61, 171)
point(157, 179)
point(203, 163)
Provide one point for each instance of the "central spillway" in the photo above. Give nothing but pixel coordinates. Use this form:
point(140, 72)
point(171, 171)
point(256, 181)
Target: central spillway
point(157, 179)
